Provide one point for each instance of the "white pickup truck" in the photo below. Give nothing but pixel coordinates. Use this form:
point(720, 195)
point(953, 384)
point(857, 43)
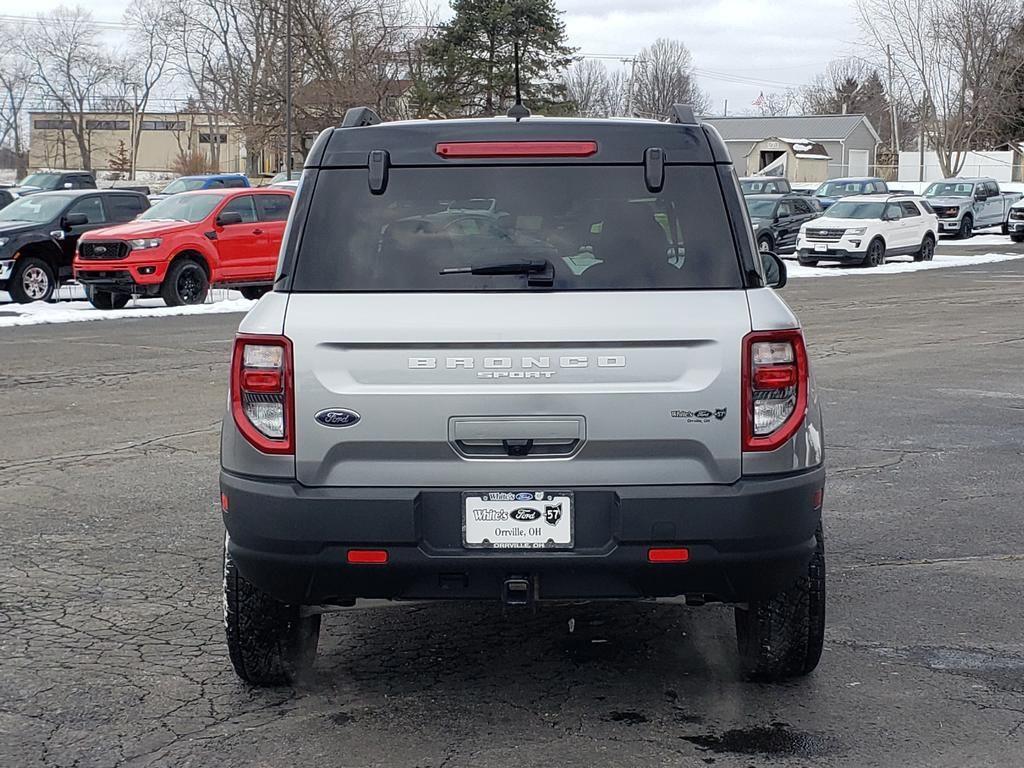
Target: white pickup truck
point(964, 205)
point(1015, 223)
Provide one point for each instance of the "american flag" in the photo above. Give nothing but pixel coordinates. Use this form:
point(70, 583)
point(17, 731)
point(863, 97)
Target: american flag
point(759, 101)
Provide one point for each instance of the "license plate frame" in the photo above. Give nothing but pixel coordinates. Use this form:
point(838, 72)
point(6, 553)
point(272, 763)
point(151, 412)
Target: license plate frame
point(556, 526)
point(820, 248)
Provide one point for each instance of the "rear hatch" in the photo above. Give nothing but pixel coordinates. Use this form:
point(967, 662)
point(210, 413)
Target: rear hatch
point(608, 353)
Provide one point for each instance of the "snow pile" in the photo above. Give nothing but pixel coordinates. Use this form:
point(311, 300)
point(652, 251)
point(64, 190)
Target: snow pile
point(39, 313)
point(941, 261)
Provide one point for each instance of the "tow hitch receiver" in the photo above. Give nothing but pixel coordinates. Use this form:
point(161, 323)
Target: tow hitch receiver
point(517, 591)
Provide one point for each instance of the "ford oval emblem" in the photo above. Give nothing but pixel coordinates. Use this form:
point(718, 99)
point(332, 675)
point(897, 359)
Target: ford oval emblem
point(337, 417)
point(525, 514)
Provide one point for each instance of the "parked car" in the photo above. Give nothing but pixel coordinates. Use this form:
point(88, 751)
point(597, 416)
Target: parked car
point(7, 196)
point(52, 181)
point(833, 189)
point(616, 406)
point(38, 235)
point(764, 185)
point(866, 229)
point(1015, 222)
point(964, 205)
point(184, 245)
point(198, 183)
point(277, 178)
point(293, 184)
point(777, 220)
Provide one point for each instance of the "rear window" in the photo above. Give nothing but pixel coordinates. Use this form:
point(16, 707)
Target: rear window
point(598, 226)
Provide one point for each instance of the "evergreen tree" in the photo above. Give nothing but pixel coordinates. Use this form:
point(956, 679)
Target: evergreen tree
point(120, 160)
point(469, 66)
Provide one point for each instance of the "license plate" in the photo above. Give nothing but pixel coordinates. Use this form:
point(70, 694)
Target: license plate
point(518, 519)
point(820, 247)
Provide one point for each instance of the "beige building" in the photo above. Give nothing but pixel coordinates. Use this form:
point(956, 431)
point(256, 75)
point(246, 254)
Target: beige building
point(799, 160)
point(166, 137)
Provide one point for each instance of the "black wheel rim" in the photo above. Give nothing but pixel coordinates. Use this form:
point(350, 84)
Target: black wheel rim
point(876, 254)
point(929, 246)
point(189, 285)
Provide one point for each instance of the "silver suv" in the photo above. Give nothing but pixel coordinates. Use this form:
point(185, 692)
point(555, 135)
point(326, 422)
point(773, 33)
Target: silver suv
point(521, 360)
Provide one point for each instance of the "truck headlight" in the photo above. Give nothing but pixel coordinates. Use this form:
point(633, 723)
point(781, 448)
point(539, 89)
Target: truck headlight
point(144, 243)
point(857, 231)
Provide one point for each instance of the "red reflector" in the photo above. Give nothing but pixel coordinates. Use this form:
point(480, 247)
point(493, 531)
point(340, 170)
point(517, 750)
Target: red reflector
point(368, 556)
point(261, 381)
point(224, 502)
point(819, 497)
point(668, 554)
point(774, 376)
point(516, 148)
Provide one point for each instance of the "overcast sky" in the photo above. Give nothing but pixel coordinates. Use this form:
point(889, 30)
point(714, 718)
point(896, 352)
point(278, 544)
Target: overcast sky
point(740, 47)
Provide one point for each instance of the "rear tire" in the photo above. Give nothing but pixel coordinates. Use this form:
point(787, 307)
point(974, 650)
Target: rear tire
point(765, 244)
point(927, 252)
point(253, 292)
point(269, 642)
point(186, 283)
point(875, 257)
point(782, 636)
point(107, 299)
point(32, 280)
point(1017, 238)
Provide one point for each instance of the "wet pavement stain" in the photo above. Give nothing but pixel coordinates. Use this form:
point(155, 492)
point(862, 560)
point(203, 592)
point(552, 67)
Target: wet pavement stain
point(776, 739)
point(341, 718)
point(629, 718)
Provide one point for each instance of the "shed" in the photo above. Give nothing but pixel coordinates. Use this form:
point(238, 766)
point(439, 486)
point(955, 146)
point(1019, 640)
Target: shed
point(796, 159)
point(850, 141)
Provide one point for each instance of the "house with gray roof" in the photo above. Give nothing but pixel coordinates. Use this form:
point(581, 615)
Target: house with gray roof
point(850, 141)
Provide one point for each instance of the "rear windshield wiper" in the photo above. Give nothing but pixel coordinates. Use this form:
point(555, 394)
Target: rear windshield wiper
point(538, 271)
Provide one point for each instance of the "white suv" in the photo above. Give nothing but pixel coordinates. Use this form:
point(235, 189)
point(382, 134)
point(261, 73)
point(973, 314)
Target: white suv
point(866, 229)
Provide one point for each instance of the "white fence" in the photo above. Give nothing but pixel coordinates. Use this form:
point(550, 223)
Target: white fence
point(998, 165)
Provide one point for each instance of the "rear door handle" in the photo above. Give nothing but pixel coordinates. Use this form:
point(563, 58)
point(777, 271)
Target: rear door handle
point(257, 231)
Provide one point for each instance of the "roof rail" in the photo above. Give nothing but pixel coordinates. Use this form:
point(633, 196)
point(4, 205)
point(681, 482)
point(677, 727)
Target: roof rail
point(359, 117)
point(683, 114)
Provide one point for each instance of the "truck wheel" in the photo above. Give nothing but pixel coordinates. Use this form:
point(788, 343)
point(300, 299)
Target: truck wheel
point(32, 280)
point(1004, 228)
point(107, 299)
point(782, 636)
point(269, 642)
point(966, 228)
point(875, 257)
point(765, 244)
point(1017, 238)
point(927, 252)
point(253, 292)
point(186, 283)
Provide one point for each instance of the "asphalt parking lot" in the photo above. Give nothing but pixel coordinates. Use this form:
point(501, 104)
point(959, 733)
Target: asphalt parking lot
point(111, 642)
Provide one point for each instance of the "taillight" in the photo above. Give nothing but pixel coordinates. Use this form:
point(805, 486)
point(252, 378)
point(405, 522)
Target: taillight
point(774, 387)
point(262, 393)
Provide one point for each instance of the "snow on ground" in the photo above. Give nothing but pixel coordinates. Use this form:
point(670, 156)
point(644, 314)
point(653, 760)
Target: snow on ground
point(79, 310)
point(72, 308)
point(894, 267)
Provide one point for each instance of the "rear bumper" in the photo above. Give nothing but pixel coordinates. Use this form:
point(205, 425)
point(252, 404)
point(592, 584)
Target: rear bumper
point(745, 540)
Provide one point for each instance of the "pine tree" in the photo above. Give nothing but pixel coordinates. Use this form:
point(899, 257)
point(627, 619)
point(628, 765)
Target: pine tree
point(120, 160)
point(469, 66)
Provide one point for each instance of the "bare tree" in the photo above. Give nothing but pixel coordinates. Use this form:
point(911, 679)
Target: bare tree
point(141, 69)
point(954, 58)
point(777, 104)
point(665, 77)
point(69, 68)
point(15, 84)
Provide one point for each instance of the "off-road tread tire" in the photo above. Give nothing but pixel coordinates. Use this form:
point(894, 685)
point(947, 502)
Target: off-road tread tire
point(965, 233)
point(766, 239)
point(169, 287)
point(253, 292)
point(269, 642)
point(782, 637)
point(1017, 238)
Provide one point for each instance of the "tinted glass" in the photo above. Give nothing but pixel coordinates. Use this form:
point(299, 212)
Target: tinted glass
point(785, 210)
point(909, 209)
point(125, 207)
point(992, 187)
point(183, 185)
point(597, 226)
point(927, 206)
point(802, 207)
point(273, 207)
point(234, 181)
point(845, 209)
point(760, 209)
point(839, 188)
point(244, 206)
point(191, 208)
point(91, 207)
point(37, 209)
point(893, 211)
point(41, 180)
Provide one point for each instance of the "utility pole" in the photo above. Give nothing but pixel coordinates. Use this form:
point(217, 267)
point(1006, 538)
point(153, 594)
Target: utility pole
point(924, 119)
point(895, 133)
point(288, 89)
point(725, 109)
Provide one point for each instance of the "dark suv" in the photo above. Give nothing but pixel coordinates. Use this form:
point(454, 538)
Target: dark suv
point(39, 233)
point(521, 360)
point(777, 220)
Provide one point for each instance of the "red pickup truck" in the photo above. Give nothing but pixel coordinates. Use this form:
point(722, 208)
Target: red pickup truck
point(185, 244)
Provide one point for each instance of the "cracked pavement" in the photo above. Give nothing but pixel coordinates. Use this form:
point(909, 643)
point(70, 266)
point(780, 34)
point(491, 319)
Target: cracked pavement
point(111, 643)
